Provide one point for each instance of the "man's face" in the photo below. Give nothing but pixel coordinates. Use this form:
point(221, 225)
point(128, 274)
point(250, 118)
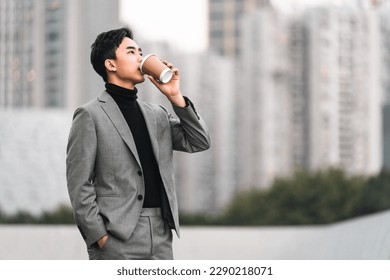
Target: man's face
point(127, 61)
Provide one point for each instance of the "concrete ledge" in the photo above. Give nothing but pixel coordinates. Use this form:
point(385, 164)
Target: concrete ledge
point(365, 238)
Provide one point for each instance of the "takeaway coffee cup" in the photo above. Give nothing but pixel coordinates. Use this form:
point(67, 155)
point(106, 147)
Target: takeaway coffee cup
point(153, 66)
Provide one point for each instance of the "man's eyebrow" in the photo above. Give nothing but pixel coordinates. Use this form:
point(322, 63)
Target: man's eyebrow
point(133, 48)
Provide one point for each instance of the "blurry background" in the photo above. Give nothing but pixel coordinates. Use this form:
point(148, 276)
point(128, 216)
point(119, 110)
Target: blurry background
point(296, 95)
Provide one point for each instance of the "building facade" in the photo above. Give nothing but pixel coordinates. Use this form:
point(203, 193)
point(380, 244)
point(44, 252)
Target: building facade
point(85, 21)
point(264, 130)
point(18, 52)
point(224, 21)
point(45, 49)
point(345, 91)
point(384, 11)
point(312, 93)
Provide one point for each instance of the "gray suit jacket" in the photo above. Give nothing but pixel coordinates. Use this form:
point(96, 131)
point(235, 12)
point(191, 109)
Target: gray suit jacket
point(104, 174)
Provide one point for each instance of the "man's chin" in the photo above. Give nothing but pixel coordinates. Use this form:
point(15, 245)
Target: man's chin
point(141, 80)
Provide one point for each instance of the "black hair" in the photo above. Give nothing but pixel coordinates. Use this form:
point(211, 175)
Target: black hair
point(105, 46)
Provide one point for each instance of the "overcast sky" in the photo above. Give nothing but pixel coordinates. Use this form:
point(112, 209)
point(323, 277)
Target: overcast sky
point(183, 23)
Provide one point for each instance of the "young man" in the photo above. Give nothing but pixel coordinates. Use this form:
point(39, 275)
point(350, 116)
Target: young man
point(119, 157)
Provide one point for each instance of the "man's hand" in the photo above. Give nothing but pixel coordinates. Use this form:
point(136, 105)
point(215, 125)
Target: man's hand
point(171, 89)
point(102, 241)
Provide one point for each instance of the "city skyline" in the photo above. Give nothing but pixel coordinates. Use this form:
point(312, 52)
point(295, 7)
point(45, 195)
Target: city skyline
point(192, 35)
point(301, 94)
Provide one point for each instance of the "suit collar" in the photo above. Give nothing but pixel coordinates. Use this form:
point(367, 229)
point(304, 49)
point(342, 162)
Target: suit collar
point(112, 110)
point(151, 124)
point(115, 115)
point(104, 96)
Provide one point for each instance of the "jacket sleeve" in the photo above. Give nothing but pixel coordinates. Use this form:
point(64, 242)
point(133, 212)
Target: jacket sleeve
point(189, 132)
point(80, 162)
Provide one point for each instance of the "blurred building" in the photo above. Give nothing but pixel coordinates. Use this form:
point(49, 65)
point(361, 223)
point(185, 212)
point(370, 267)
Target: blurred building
point(32, 160)
point(384, 18)
point(44, 50)
point(386, 136)
point(86, 19)
point(18, 54)
point(44, 62)
point(278, 92)
point(384, 12)
point(310, 93)
point(345, 90)
point(206, 181)
point(264, 130)
point(224, 18)
point(298, 87)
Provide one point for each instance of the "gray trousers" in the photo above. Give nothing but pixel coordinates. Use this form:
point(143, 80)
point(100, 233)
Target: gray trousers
point(151, 240)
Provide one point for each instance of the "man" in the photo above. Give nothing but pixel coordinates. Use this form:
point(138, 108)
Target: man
point(120, 157)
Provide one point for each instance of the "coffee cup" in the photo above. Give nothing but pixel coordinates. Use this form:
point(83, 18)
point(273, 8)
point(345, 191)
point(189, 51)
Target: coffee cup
point(153, 66)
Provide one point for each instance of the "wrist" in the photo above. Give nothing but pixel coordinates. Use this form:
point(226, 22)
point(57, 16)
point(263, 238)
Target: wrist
point(178, 100)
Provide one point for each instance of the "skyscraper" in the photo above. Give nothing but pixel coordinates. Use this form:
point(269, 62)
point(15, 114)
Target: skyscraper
point(224, 18)
point(264, 130)
point(86, 19)
point(206, 181)
point(345, 89)
point(384, 12)
point(310, 93)
point(18, 66)
point(44, 50)
point(54, 52)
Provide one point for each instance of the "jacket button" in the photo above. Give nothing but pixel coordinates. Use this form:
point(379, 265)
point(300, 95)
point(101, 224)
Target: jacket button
point(140, 197)
point(139, 173)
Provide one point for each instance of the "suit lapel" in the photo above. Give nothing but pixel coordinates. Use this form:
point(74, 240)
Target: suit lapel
point(115, 115)
point(151, 124)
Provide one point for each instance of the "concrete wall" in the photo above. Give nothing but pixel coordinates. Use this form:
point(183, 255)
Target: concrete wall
point(365, 238)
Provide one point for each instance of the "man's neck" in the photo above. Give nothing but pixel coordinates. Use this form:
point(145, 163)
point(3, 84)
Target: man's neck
point(120, 83)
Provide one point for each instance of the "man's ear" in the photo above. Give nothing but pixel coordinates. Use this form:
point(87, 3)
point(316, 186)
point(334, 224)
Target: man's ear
point(110, 65)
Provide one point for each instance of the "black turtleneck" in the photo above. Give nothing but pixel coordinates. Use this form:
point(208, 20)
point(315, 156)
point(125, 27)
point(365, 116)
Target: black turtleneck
point(127, 102)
